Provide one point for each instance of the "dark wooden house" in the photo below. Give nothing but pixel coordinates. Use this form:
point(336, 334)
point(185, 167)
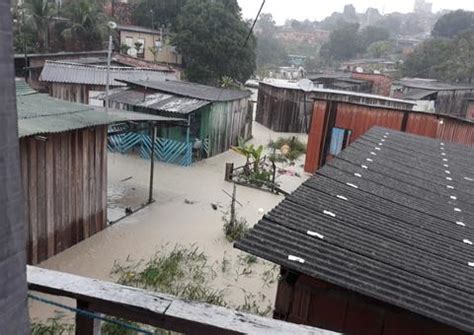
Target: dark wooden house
point(79, 82)
point(216, 117)
point(379, 241)
point(285, 107)
point(63, 148)
point(446, 98)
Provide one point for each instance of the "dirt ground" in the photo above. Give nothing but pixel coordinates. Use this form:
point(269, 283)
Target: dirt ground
point(182, 214)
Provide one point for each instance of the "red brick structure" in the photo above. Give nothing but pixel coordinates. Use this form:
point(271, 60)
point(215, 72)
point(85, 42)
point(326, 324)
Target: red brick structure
point(381, 83)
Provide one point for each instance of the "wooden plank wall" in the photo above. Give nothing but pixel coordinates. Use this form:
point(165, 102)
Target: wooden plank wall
point(313, 302)
point(227, 122)
point(65, 184)
point(73, 92)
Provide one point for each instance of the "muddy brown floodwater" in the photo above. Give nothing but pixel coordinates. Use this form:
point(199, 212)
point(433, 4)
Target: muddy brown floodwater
point(173, 220)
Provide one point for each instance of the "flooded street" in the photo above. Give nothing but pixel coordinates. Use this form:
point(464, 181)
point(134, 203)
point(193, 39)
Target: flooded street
point(183, 214)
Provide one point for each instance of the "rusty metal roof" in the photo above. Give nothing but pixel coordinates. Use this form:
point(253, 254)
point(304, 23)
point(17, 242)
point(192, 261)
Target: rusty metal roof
point(75, 73)
point(192, 90)
point(157, 101)
point(391, 218)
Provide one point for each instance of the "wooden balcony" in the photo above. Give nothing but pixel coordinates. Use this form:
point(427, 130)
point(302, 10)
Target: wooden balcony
point(151, 308)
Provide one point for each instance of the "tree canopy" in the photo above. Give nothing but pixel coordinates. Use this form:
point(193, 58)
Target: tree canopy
point(211, 35)
point(451, 24)
point(443, 59)
point(157, 13)
point(344, 42)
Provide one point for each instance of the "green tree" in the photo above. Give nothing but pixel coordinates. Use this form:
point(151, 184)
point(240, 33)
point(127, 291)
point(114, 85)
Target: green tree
point(429, 60)
point(344, 43)
point(380, 49)
point(39, 13)
point(372, 34)
point(461, 62)
point(211, 36)
point(453, 23)
point(87, 25)
point(157, 13)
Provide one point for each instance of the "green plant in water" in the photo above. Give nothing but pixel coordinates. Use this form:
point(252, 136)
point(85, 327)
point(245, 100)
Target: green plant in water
point(296, 148)
point(252, 154)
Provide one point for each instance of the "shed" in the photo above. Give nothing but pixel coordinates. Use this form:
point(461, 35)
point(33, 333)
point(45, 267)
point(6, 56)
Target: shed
point(216, 117)
point(82, 83)
point(63, 149)
point(336, 124)
point(447, 98)
point(379, 241)
point(281, 106)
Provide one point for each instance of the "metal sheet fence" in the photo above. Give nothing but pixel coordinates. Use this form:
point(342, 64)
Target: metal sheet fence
point(166, 150)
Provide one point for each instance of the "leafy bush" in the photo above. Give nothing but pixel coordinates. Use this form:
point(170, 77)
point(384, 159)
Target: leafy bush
point(235, 231)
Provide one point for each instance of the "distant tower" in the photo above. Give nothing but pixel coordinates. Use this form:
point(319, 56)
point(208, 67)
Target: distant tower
point(423, 7)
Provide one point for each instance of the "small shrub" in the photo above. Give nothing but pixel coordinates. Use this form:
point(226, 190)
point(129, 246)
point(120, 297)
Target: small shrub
point(235, 230)
point(52, 326)
point(296, 147)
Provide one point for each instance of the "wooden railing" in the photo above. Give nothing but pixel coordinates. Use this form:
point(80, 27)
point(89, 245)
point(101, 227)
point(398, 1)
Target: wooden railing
point(155, 309)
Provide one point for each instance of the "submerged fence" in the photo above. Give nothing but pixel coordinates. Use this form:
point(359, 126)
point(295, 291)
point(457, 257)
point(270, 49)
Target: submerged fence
point(166, 150)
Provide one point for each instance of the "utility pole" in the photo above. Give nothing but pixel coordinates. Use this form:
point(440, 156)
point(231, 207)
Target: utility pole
point(112, 25)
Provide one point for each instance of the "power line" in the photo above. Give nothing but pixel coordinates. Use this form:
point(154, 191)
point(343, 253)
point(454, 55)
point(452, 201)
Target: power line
point(253, 25)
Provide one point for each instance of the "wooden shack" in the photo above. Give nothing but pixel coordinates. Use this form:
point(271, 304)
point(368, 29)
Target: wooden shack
point(337, 123)
point(378, 241)
point(447, 98)
point(216, 117)
point(77, 82)
point(285, 107)
point(63, 148)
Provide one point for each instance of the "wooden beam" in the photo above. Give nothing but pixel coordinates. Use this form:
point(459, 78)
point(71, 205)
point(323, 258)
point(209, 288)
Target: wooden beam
point(157, 309)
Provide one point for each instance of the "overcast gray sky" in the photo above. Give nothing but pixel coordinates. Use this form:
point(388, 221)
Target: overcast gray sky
point(319, 9)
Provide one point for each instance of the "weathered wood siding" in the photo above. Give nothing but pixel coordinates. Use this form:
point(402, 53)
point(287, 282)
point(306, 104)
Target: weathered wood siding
point(73, 92)
point(227, 122)
point(305, 300)
point(359, 119)
point(65, 184)
point(283, 109)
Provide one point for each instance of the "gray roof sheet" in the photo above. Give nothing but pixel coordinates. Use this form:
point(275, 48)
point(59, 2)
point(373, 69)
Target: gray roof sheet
point(417, 94)
point(138, 29)
point(158, 101)
point(41, 114)
point(75, 73)
point(384, 223)
point(192, 90)
point(432, 85)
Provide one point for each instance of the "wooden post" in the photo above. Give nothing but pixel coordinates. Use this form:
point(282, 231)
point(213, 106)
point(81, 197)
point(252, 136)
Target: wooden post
point(152, 160)
point(189, 150)
point(85, 325)
point(229, 168)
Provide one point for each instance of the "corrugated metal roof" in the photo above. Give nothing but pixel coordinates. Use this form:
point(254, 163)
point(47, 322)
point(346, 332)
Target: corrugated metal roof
point(41, 114)
point(22, 88)
point(392, 217)
point(417, 94)
point(74, 73)
point(295, 86)
point(431, 84)
point(157, 101)
point(192, 90)
point(138, 29)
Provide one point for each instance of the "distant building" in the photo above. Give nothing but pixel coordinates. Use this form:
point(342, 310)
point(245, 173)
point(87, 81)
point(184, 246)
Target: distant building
point(148, 44)
point(296, 60)
point(368, 65)
point(313, 37)
point(423, 7)
point(362, 82)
